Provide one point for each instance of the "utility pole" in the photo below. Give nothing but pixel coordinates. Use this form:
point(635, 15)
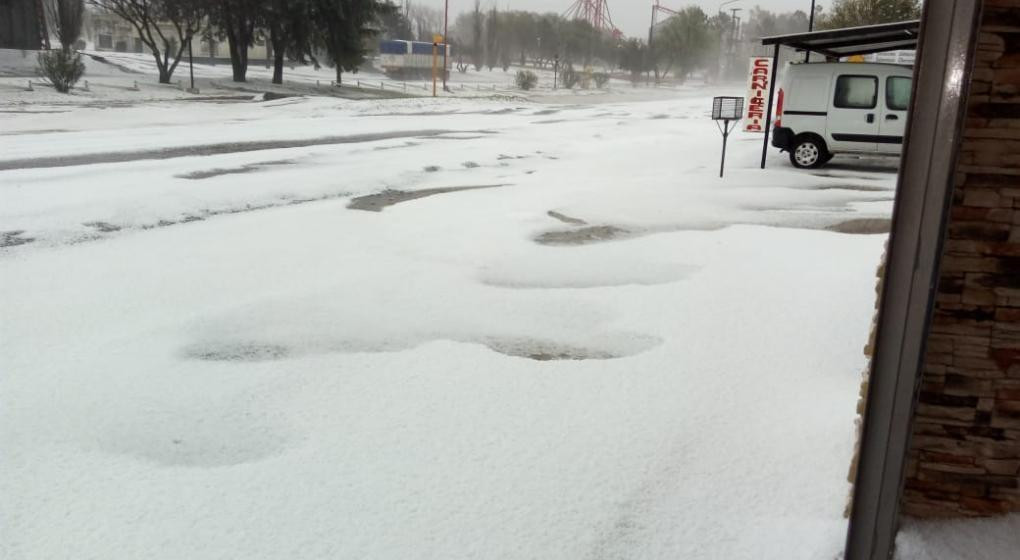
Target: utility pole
point(446, 44)
point(727, 60)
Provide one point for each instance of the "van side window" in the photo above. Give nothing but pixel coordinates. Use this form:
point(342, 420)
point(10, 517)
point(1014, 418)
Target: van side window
point(897, 93)
point(856, 92)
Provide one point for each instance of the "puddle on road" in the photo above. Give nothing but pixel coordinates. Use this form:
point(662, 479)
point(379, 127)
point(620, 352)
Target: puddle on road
point(378, 202)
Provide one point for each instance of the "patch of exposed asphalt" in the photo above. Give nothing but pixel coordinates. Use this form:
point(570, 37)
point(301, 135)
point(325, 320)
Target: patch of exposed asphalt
point(205, 174)
point(417, 114)
point(453, 137)
point(551, 121)
point(581, 236)
point(103, 227)
point(404, 145)
point(212, 149)
point(379, 201)
point(33, 112)
point(848, 176)
point(99, 228)
point(41, 131)
point(14, 238)
point(863, 226)
point(858, 188)
point(566, 219)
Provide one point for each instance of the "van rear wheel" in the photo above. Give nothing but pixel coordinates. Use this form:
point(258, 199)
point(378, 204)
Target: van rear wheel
point(809, 152)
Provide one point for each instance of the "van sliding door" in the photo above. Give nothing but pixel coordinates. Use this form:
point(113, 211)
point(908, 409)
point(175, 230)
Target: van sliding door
point(853, 123)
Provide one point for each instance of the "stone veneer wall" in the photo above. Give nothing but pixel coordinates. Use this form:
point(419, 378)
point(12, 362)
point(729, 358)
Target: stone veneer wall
point(965, 452)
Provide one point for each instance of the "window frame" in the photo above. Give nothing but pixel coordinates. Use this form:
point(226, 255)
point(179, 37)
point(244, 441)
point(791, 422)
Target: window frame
point(874, 98)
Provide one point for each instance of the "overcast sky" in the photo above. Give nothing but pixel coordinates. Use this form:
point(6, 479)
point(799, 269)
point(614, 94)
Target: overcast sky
point(631, 16)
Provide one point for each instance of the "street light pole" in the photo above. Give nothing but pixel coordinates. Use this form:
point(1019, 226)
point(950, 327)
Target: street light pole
point(191, 64)
point(446, 43)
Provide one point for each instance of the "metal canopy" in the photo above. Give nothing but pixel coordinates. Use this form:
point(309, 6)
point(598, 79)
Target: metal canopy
point(853, 40)
point(838, 43)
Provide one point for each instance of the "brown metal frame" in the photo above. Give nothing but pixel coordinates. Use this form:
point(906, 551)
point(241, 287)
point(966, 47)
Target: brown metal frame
point(923, 199)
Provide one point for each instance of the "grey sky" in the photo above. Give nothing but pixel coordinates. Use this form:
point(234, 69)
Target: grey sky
point(631, 16)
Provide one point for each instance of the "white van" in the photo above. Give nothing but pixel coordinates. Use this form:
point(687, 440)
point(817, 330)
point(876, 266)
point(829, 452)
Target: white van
point(832, 108)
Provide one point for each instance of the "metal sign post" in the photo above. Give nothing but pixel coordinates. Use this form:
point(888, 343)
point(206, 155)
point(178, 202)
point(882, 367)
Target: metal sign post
point(728, 110)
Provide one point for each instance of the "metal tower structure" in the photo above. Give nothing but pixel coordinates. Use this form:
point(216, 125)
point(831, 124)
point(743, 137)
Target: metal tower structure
point(656, 9)
point(596, 13)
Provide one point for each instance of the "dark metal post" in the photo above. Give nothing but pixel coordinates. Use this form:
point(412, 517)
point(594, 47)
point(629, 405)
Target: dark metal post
point(191, 63)
point(768, 111)
point(556, 71)
point(810, 27)
point(725, 136)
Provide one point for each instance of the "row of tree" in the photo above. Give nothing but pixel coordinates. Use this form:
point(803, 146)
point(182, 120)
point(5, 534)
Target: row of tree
point(495, 39)
point(689, 40)
point(338, 32)
point(303, 30)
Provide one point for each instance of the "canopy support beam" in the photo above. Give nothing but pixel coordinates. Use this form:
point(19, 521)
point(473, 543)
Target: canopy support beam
point(768, 111)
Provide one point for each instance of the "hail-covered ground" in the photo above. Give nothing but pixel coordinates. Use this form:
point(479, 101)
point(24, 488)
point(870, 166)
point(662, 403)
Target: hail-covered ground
point(415, 328)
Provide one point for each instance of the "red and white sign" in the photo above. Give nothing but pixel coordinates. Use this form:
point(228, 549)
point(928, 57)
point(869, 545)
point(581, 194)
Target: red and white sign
point(757, 94)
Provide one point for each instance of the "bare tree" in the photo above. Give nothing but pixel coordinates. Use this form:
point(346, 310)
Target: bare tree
point(164, 26)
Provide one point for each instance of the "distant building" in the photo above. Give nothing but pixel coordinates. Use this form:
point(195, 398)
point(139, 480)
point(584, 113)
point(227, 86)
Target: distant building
point(22, 25)
point(105, 31)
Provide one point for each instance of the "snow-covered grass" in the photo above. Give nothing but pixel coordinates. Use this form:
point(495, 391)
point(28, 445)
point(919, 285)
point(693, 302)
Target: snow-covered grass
point(120, 78)
point(206, 354)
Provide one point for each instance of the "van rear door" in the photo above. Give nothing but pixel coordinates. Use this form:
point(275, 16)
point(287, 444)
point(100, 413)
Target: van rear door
point(895, 104)
point(853, 124)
